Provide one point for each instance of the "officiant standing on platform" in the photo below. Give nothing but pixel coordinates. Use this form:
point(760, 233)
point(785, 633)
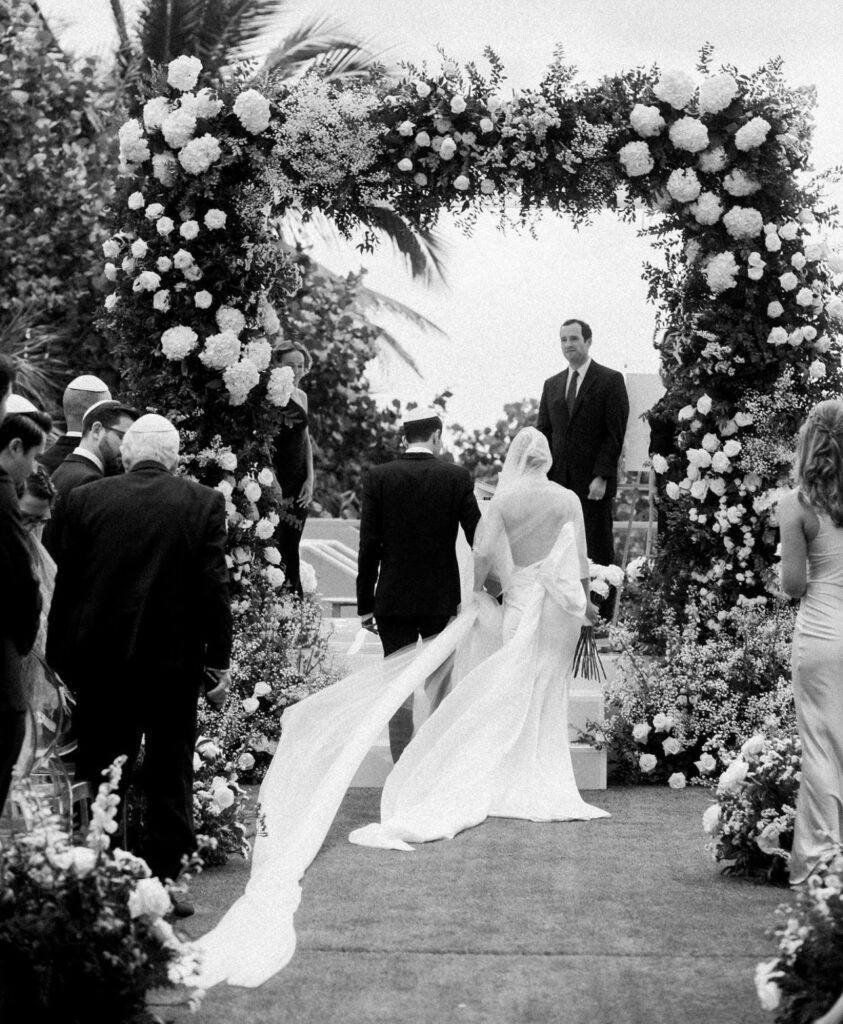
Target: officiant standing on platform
point(583, 414)
point(408, 580)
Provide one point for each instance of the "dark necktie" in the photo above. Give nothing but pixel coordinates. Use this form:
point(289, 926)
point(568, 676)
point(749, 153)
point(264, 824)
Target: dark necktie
point(571, 395)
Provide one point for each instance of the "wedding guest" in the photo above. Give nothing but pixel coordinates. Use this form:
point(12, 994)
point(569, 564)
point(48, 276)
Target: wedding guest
point(811, 525)
point(293, 463)
point(22, 438)
point(7, 380)
point(140, 621)
point(97, 455)
point(79, 395)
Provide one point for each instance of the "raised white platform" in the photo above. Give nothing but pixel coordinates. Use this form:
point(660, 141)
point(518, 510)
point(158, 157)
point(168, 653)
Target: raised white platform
point(585, 704)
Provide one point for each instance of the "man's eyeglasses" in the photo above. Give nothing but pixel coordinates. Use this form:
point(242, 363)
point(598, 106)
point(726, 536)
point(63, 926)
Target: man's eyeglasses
point(120, 433)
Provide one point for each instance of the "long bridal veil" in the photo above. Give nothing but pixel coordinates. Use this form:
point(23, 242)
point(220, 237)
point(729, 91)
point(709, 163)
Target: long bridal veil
point(497, 744)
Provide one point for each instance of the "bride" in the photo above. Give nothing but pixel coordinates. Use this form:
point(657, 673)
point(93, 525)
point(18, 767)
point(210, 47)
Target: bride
point(496, 746)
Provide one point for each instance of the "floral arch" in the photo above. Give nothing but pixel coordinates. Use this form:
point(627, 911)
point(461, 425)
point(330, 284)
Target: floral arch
point(747, 285)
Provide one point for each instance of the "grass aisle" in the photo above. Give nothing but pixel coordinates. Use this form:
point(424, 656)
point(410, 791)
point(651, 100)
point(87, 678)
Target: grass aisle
point(622, 921)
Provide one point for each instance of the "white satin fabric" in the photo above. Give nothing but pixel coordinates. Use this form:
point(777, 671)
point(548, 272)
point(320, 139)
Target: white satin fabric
point(496, 745)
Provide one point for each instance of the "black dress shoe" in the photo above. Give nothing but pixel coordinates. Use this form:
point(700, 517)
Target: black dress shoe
point(181, 907)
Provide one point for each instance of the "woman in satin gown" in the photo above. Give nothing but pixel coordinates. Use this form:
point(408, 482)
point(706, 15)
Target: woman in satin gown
point(497, 745)
point(811, 525)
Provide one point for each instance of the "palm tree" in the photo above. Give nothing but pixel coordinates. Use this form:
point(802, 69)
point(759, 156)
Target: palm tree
point(221, 32)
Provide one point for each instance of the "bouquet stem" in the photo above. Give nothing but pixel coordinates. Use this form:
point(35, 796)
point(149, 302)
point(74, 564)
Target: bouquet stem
point(587, 663)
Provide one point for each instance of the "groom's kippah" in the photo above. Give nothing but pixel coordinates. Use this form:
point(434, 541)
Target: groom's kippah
point(421, 413)
point(19, 404)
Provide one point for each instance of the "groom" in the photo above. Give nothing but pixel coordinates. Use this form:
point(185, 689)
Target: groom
point(407, 576)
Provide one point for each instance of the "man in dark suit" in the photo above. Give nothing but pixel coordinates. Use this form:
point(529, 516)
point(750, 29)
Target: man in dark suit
point(408, 580)
point(22, 438)
point(583, 413)
point(97, 455)
point(79, 395)
point(140, 619)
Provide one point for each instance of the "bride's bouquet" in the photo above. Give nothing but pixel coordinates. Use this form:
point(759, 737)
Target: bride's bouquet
point(587, 663)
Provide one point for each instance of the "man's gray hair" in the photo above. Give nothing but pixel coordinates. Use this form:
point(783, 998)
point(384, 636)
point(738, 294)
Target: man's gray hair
point(151, 438)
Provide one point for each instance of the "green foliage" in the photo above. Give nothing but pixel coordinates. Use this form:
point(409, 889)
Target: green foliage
point(483, 451)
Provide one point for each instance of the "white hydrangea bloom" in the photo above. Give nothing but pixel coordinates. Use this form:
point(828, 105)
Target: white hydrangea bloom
point(646, 121)
point(716, 93)
point(177, 342)
point(240, 379)
point(689, 134)
point(713, 160)
point(721, 272)
point(221, 350)
point(683, 185)
point(165, 168)
point(134, 149)
point(178, 128)
point(183, 73)
point(739, 183)
point(707, 209)
point(252, 111)
point(197, 155)
point(279, 389)
point(259, 351)
point(154, 112)
point(230, 319)
point(743, 222)
point(752, 134)
point(636, 159)
point(676, 88)
point(201, 104)
point(307, 575)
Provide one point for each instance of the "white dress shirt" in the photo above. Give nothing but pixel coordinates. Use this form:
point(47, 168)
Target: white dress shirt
point(97, 461)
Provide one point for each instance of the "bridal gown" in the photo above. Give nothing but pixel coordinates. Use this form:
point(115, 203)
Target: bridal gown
point(818, 695)
point(497, 745)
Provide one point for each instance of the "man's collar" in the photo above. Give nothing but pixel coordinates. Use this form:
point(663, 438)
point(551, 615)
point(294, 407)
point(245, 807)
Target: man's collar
point(417, 449)
point(73, 433)
point(149, 464)
point(97, 461)
point(581, 370)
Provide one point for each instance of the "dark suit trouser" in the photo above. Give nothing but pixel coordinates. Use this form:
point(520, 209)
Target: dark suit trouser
point(600, 541)
point(397, 632)
point(12, 734)
point(113, 716)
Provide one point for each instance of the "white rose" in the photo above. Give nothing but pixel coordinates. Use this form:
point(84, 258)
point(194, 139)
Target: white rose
point(189, 230)
point(689, 134)
point(405, 165)
point(272, 555)
point(817, 369)
point(149, 898)
point(422, 89)
point(406, 128)
point(161, 300)
point(717, 485)
point(250, 705)
point(183, 73)
point(110, 272)
point(262, 690)
point(769, 993)
point(720, 462)
point(659, 463)
point(486, 125)
point(646, 121)
point(640, 732)
point(275, 576)
point(110, 248)
point(223, 796)
point(809, 333)
point(111, 301)
point(753, 746)
point(834, 308)
point(675, 88)
point(182, 259)
point(805, 297)
point(699, 489)
point(798, 261)
point(215, 219)
point(775, 310)
point(789, 230)
point(732, 448)
point(458, 104)
point(309, 582)
point(420, 179)
point(704, 405)
point(245, 762)
point(671, 745)
point(788, 281)
point(146, 281)
point(772, 242)
point(731, 781)
point(706, 764)
point(83, 860)
point(264, 529)
point(252, 490)
point(677, 781)
point(422, 140)
point(647, 762)
point(265, 477)
point(225, 489)
point(710, 442)
point(139, 248)
point(487, 186)
point(662, 722)
point(203, 299)
point(135, 201)
point(164, 226)
point(672, 490)
point(461, 183)
point(448, 148)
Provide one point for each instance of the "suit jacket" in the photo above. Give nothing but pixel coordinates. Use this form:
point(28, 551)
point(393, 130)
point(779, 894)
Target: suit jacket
point(588, 443)
point(143, 581)
point(20, 598)
point(55, 455)
point(412, 510)
point(74, 471)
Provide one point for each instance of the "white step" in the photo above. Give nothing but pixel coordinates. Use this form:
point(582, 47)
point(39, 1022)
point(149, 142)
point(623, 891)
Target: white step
point(585, 704)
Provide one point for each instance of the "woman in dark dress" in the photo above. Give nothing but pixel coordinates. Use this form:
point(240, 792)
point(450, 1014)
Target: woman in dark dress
point(293, 463)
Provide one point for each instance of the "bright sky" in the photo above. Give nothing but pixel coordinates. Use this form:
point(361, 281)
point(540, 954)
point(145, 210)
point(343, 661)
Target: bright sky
point(508, 294)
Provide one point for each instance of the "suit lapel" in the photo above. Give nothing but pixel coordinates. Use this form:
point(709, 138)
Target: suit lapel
point(560, 398)
point(585, 387)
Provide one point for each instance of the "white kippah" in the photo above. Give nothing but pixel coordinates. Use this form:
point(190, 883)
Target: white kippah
point(87, 382)
point(152, 423)
point(422, 413)
point(17, 403)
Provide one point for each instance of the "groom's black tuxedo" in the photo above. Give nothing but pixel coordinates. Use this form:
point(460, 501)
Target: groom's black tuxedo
point(140, 608)
point(412, 510)
point(587, 443)
point(407, 572)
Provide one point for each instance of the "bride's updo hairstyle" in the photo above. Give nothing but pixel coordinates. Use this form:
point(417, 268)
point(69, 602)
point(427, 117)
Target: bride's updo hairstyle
point(819, 460)
point(528, 457)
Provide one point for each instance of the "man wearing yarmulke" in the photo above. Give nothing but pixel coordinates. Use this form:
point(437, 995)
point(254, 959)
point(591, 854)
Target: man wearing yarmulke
point(408, 581)
point(79, 395)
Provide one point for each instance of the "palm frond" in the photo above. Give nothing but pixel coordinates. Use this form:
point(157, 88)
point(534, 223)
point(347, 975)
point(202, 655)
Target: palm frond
point(323, 41)
point(29, 344)
point(375, 301)
point(424, 252)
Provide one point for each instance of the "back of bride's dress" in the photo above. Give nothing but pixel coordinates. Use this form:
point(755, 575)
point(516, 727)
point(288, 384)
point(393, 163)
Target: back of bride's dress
point(497, 745)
